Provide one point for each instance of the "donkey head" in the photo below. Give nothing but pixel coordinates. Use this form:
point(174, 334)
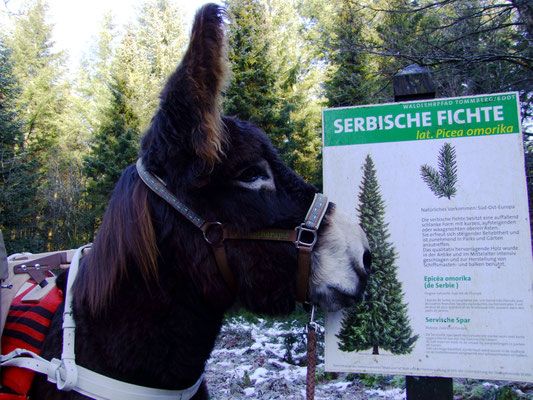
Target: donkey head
point(227, 170)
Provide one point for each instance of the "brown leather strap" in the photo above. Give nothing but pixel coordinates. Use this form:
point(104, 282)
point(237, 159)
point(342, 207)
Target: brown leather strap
point(215, 233)
point(277, 235)
point(283, 235)
point(223, 265)
point(302, 276)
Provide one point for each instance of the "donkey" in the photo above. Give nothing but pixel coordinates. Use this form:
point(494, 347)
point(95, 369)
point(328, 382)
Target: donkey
point(149, 298)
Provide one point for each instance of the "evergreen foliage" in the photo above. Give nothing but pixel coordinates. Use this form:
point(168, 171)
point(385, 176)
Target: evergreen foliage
point(442, 182)
point(150, 50)
point(17, 180)
point(44, 101)
point(253, 98)
point(39, 71)
point(115, 146)
point(270, 89)
point(381, 321)
point(349, 82)
point(298, 89)
point(94, 78)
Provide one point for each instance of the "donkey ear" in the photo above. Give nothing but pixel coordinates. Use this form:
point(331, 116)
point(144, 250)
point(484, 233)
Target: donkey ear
point(192, 95)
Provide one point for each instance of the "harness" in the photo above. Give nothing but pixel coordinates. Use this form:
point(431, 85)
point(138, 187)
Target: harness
point(67, 375)
point(304, 236)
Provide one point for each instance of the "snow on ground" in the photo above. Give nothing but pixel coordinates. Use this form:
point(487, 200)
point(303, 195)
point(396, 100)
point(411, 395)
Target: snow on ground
point(395, 394)
point(266, 360)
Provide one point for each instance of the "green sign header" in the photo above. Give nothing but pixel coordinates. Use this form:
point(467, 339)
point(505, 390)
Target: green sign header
point(493, 114)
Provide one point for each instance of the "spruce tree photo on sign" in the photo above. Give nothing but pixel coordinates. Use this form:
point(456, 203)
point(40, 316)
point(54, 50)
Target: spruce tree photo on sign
point(442, 182)
point(380, 321)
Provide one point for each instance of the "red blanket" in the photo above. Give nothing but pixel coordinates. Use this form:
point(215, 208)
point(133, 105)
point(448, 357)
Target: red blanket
point(26, 327)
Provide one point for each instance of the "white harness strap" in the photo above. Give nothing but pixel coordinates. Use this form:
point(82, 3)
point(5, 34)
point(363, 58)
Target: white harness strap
point(69, 376)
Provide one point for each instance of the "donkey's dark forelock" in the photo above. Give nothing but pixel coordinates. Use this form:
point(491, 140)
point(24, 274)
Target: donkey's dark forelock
point(189, 111)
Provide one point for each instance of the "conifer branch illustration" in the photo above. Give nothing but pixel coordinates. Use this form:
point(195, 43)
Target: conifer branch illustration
point(442, 182)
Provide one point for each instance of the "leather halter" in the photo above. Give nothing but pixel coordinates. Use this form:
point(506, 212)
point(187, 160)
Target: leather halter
point(304, 236)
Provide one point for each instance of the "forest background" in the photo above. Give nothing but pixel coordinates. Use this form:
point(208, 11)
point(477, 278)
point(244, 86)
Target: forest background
point(65, 136)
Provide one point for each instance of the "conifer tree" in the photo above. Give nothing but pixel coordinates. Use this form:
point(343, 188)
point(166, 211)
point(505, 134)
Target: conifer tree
point(17, 180)
point(95, 77)
point(114, 147)
point(39, 72)
point(44, 101)
point(150, 50)
point(381, 321)
point(268, 85)
point(349, 81)
point(298, 89)
point(251, 95)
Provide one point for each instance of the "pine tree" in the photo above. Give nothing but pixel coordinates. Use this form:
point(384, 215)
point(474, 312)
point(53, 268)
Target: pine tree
point(95, 77)
point(43, 101)
point(380, 321)
point(298, 93)
point(398, 36)
point(268, 86)
point(150, 50)
point(251, 95)
point(39, 72)
point(297, 84)
point(349, 82)
point(442, 182)
point(51, 127)
point(17, 181)
point(115, 146)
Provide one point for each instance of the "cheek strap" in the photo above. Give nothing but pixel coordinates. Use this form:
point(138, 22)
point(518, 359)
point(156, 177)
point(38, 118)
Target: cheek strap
point(304, 236)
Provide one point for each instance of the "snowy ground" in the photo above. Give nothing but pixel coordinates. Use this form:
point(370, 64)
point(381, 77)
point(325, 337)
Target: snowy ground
point(266, 360)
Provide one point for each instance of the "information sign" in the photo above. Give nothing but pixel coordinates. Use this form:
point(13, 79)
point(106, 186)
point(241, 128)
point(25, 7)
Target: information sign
point(439, 186)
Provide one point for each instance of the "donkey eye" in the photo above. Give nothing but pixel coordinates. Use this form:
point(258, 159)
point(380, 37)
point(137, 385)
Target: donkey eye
point(255, 177)
point(252, 174)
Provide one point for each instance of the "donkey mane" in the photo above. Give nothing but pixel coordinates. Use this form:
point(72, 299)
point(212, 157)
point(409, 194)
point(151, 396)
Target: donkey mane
point(126, 238)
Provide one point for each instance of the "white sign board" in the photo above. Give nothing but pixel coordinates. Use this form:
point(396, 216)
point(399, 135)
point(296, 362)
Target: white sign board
point(440, 188)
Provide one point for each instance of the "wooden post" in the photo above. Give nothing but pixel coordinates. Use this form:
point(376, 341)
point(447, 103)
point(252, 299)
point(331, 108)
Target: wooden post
point(413, 83)
point(428, 388)
point(416, 83)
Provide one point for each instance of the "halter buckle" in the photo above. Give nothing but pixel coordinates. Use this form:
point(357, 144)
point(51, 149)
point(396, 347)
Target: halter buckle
point(307, 237)
point(213, 233)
